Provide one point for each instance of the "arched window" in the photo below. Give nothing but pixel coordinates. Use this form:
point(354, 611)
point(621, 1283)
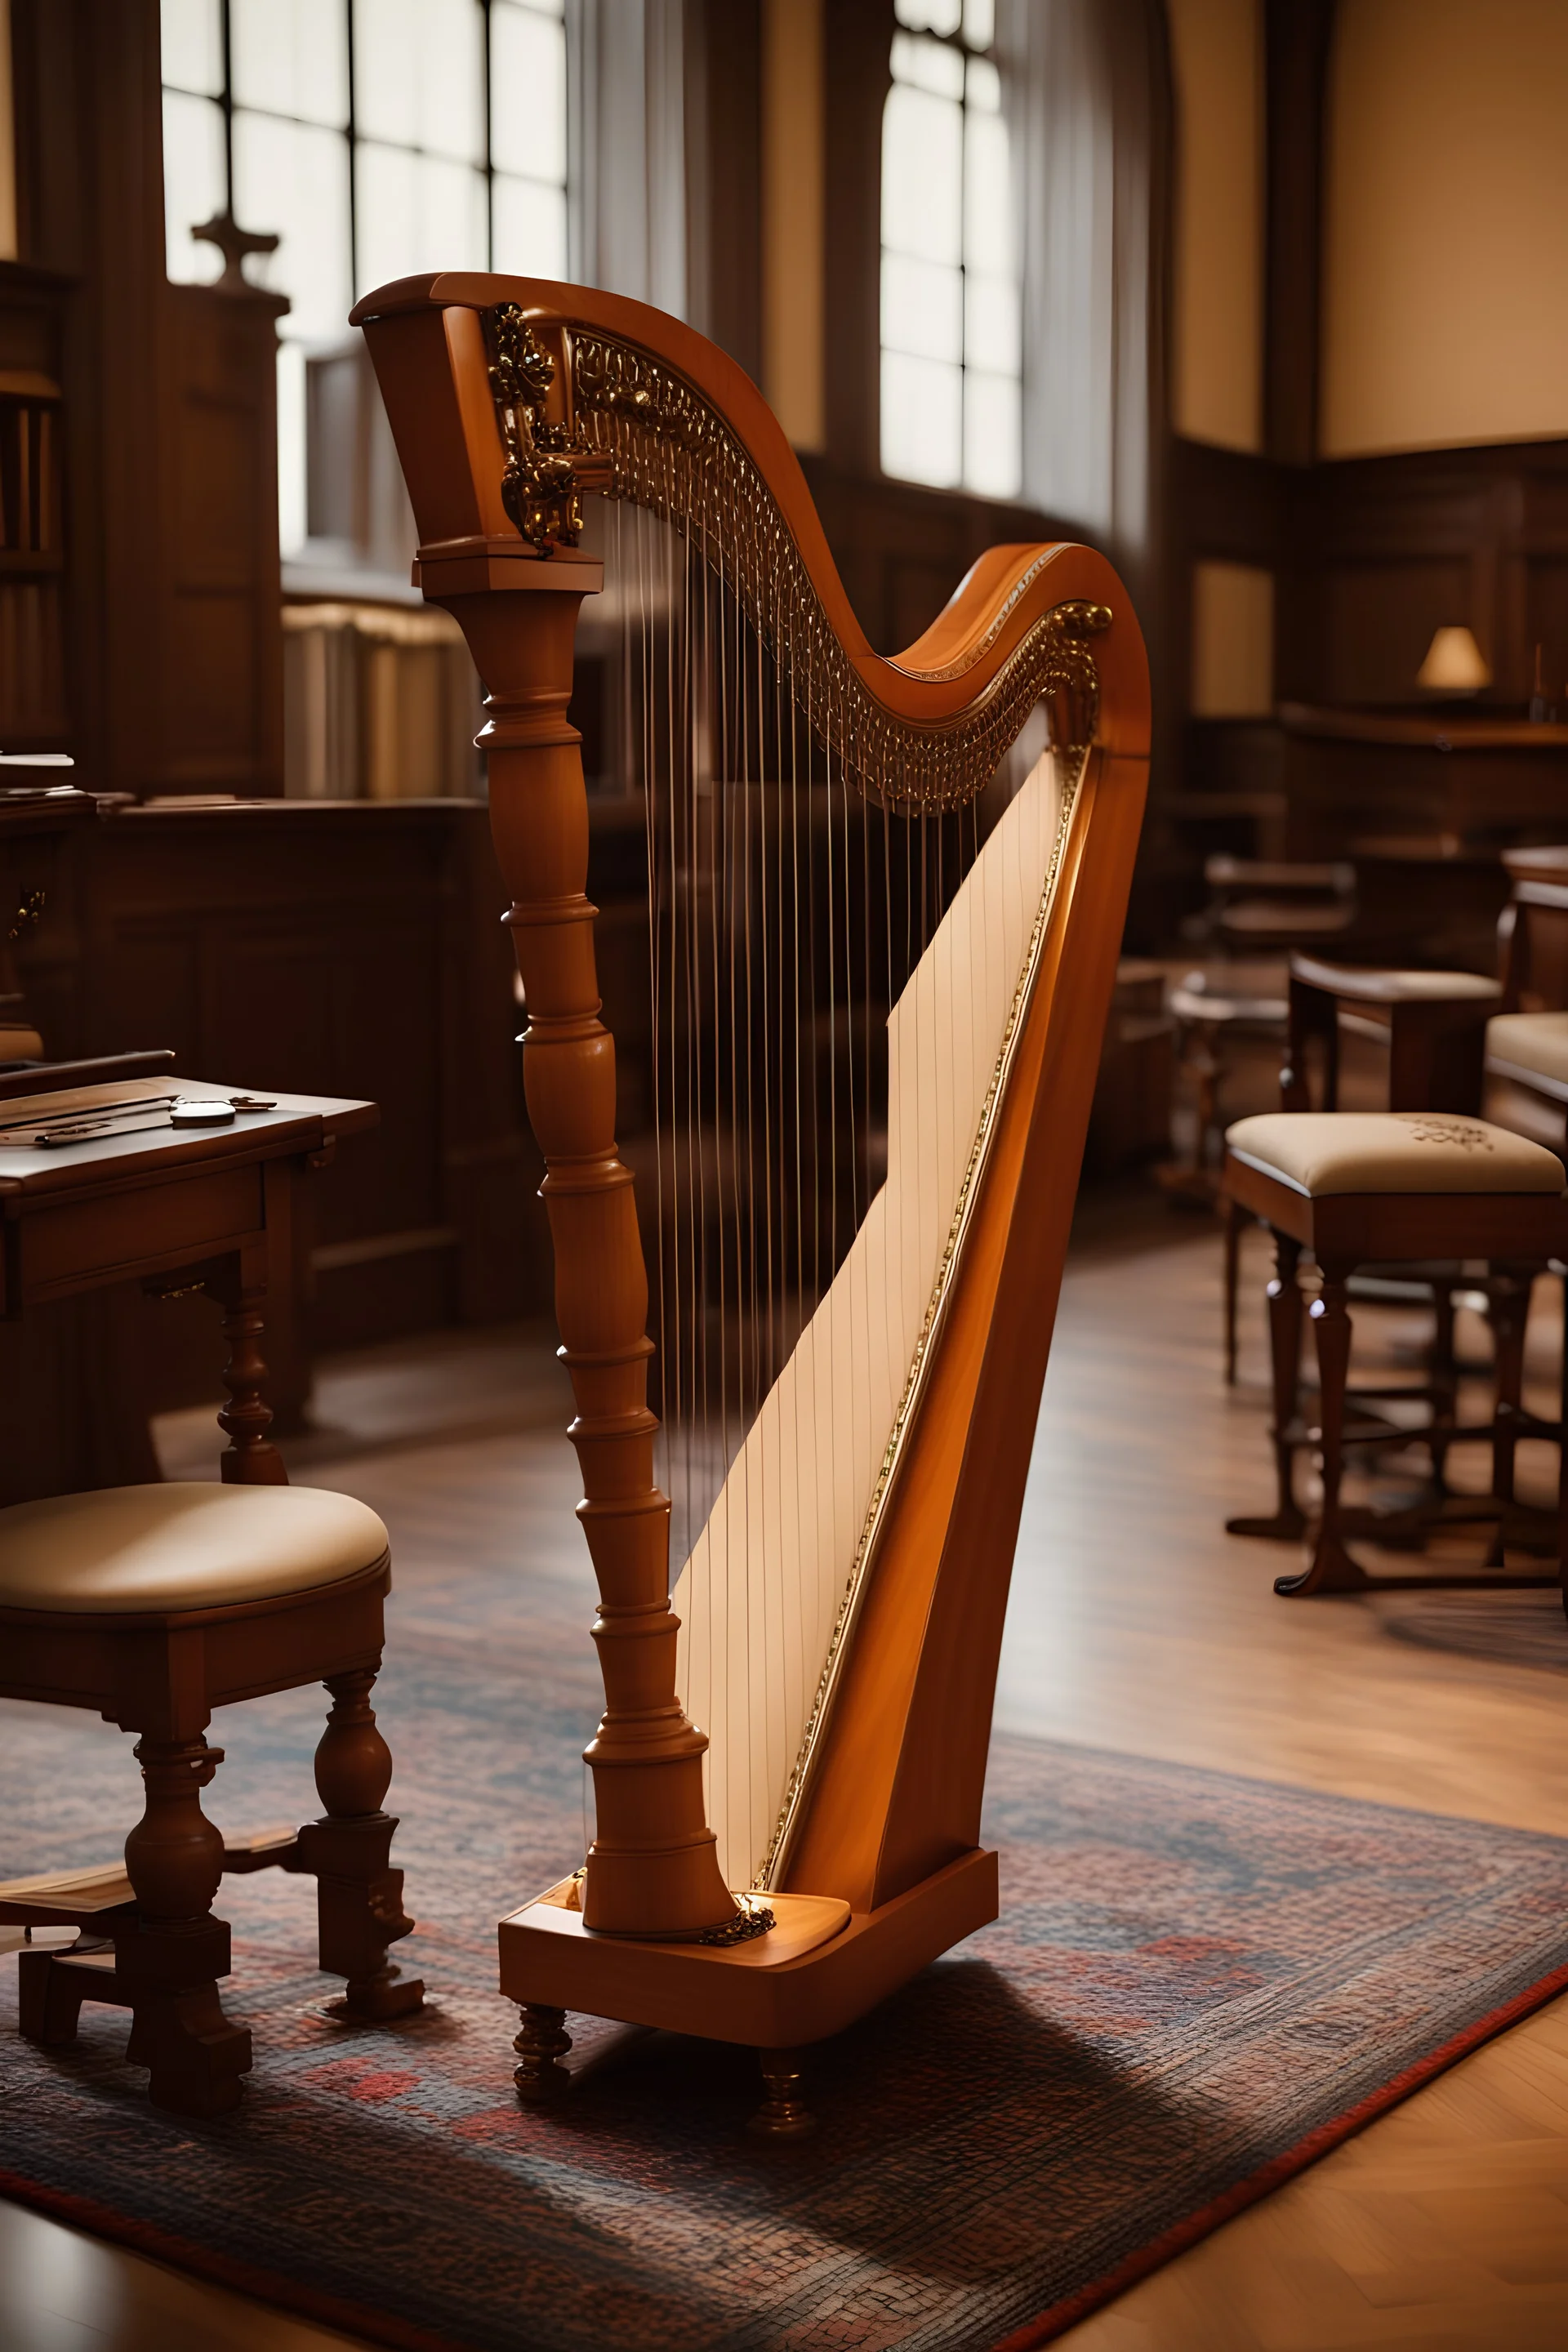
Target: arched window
point(377, 138)
point(951, 407)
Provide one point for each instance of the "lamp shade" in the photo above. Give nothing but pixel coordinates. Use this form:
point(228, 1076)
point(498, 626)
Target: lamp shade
point(1455, 664)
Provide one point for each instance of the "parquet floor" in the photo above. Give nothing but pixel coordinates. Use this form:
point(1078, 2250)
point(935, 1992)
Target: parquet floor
point(1136, 1625)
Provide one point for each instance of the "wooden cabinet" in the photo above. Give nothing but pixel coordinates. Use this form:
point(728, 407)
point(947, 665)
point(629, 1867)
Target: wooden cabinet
point(349, 949)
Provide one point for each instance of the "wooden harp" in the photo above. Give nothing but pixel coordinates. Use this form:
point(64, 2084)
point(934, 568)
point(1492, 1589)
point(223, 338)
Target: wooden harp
point(881, 938)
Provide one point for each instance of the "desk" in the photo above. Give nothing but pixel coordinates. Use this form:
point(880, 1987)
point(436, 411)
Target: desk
point(173, 1209)
point(1485, 781)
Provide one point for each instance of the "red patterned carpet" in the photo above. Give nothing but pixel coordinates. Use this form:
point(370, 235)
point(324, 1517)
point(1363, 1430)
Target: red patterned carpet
point(1199, 1983)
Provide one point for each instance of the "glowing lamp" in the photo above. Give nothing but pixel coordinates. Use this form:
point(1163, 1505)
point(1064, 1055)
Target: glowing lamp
point(1455, 664)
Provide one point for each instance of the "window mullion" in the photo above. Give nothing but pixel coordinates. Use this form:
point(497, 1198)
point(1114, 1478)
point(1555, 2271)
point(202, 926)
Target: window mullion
point(353, 154)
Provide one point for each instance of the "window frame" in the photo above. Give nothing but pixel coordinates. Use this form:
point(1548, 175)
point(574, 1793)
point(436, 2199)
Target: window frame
point(957, 41)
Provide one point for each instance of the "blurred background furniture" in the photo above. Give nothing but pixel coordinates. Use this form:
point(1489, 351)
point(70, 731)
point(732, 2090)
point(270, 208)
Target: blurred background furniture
point(1432, 1023)
point(1527, 1042)
point(1129, 1123)
point(1214, 1006)
point(1259, 905)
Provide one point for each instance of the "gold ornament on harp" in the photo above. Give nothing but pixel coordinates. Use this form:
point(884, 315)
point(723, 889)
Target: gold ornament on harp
point(644, 432)
point(540, 488)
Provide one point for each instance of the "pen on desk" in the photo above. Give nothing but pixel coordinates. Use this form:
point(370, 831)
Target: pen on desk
point(53, 1130)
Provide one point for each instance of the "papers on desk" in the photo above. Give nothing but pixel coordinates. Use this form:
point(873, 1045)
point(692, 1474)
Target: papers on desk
point(46, 1122)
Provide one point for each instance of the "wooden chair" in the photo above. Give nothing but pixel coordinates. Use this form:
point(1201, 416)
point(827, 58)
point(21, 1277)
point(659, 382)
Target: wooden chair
point(153, 1606)
point(1527, 1040)
point(1213, 1006)
point(1435, 1024)
point(1391, 1189)
point(1259, 906)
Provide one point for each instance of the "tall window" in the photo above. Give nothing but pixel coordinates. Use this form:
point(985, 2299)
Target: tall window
point(378, 138)
point(950, 343)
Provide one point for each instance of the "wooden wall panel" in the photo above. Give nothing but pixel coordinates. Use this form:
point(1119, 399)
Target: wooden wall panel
point(221, 630)
point(344, 948)
point(1378, 620)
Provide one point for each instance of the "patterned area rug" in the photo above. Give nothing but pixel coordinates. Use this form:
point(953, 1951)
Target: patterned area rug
point(1199, 1984)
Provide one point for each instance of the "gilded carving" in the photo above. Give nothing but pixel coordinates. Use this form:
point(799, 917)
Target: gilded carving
point(540, 488)
point(667, 449)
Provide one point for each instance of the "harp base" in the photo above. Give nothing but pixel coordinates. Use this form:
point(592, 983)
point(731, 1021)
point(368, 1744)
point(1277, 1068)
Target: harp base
point(822, 1966)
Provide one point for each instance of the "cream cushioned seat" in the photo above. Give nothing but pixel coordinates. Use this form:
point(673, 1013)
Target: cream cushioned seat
point(1535, 1044)
point(1382, 986)
point(1323, 1152)
point(181, 1546)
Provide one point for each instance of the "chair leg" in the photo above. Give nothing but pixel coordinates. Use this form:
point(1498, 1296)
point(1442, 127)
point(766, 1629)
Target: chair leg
point(1445, 1385)
point(168, 1962)
point(359, 1896)
point(1510, 1291)
point(1332, 1569)
point(1287, 1523)
point(1235, 1218)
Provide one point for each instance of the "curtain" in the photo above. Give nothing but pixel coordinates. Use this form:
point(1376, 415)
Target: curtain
point(1085, 85)
point(627, 217)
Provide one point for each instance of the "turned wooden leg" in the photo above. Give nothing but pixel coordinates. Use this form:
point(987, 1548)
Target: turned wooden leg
point(783, 2114)
point(1445, 1384)
point(359, 1896)
point(1332, 1569)
point(168, 1963)
point(249, 1459)
point(1235, 1218)
point(540, 2046)
point(1510, 1311)
point(1287, 1523)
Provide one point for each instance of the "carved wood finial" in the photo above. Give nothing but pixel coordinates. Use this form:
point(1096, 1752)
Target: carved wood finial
point(234, 242)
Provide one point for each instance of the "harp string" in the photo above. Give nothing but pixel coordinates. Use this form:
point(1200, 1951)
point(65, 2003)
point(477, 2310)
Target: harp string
point(785, 915)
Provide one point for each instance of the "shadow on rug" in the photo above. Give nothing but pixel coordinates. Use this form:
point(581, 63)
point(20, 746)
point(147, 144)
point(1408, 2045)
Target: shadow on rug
point(1198, 1984)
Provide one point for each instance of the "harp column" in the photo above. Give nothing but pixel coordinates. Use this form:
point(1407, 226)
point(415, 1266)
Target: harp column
point(653, 1868)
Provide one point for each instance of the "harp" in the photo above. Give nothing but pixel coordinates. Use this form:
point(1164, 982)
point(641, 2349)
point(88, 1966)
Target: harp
point(884, 902)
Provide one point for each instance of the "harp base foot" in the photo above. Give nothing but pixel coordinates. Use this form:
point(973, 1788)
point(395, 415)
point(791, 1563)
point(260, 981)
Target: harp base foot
point(783, 2114)
point(540, 2046)
point(817, 1969)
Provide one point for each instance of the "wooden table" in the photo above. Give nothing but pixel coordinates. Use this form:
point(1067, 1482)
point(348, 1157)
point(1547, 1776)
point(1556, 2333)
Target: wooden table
point(172, 1209)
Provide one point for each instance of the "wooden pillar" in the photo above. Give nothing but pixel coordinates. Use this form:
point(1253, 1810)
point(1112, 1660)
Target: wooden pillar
point(653, 1868)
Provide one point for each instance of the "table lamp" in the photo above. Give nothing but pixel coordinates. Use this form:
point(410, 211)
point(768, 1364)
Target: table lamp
point(1455, 664)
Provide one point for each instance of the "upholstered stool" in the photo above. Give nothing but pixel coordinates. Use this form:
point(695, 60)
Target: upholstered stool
point(1391, 1187)
point(1434, 1024)
point(153, 1605)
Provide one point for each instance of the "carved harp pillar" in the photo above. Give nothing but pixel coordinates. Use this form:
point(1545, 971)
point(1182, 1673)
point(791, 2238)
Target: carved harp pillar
point(652, 1869)
point(884, 905)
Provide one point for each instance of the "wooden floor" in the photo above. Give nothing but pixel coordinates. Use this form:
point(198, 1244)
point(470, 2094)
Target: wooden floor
point(1136, 1625)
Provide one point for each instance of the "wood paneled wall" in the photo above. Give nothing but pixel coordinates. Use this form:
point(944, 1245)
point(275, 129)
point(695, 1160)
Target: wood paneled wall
point(167, 635)
point(349, 949)
point(1369, 555)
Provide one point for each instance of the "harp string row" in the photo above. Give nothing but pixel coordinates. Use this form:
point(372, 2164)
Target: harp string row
point(788, 912)
point(669, 449)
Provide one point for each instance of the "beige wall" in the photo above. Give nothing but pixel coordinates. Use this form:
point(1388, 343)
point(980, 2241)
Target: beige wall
point(792, 217)
point(1217, 53)
point(1233, 641)
point(1445, 258)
